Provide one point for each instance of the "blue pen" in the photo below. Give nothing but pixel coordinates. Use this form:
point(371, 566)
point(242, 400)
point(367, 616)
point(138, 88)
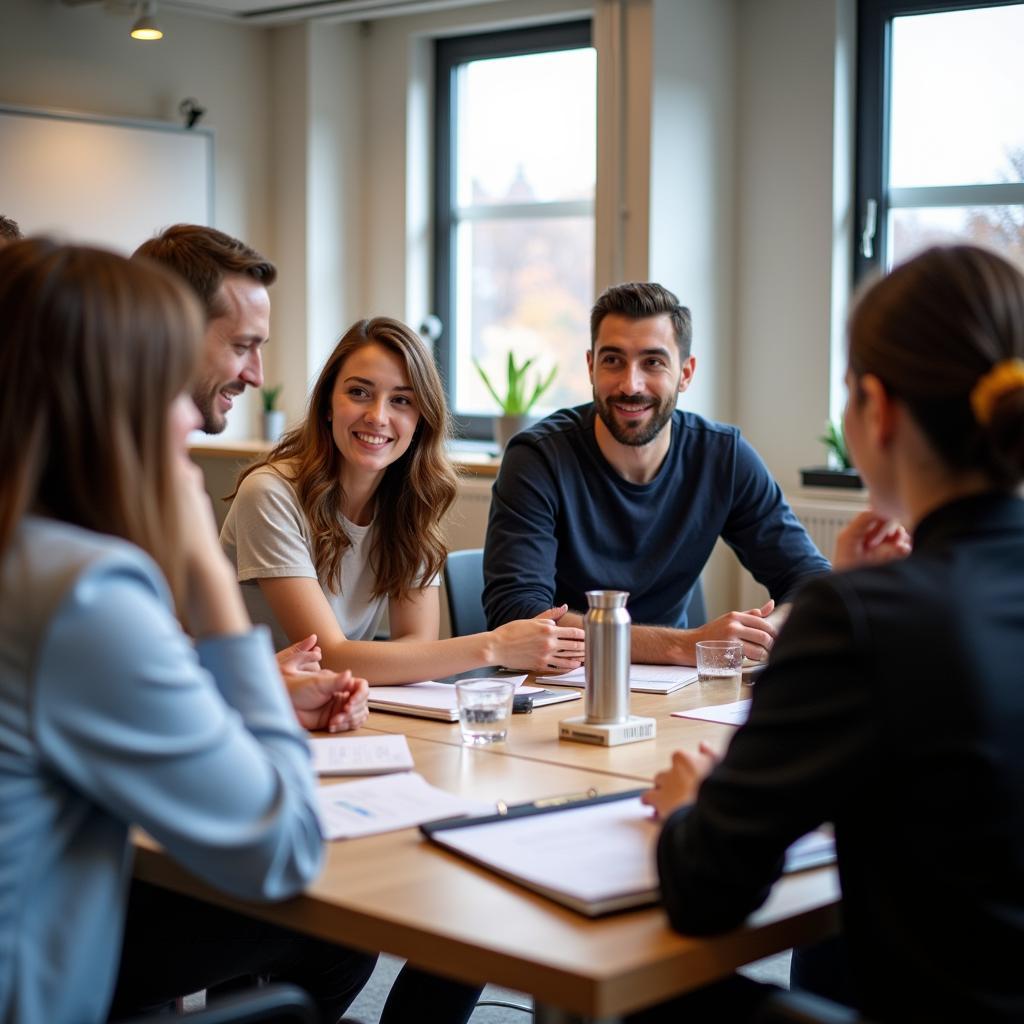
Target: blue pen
point(354, 808)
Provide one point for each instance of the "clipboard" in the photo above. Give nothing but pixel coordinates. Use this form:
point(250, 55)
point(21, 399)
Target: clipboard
point(549, 847)
point(593, 854)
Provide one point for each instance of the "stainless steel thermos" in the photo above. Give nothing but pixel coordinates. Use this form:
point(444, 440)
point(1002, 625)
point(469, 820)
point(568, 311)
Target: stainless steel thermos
point(606, 628)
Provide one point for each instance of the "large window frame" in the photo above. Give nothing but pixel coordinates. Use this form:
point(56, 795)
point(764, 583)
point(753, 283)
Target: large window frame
point(874, 199)
point(449, 55)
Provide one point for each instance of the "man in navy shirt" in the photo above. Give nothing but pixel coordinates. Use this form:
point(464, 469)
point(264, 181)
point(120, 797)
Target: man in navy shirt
point(630, 493)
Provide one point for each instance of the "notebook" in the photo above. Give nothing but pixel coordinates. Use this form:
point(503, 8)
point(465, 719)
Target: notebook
point(437, 700)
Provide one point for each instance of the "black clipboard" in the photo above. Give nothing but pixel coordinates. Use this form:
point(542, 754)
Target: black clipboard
point(626, 899)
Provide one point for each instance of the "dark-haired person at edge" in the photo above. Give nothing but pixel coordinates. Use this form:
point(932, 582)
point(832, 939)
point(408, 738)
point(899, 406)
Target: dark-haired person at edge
point(9, 230)
point(112, 716)
point(630, 493)
point(892, 705)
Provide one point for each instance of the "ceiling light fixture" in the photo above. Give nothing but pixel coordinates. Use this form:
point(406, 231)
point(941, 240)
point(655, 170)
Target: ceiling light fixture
point(145, 26)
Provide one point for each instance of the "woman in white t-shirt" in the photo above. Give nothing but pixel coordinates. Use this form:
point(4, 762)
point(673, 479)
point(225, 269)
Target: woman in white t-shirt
point(342, 520)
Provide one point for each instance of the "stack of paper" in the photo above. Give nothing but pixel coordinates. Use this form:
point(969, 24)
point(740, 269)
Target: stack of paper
point(642, 678)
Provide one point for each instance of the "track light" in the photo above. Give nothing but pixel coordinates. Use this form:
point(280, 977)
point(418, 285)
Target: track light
point(145, 26)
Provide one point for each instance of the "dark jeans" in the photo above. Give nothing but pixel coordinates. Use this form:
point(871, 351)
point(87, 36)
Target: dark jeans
point(174, 945)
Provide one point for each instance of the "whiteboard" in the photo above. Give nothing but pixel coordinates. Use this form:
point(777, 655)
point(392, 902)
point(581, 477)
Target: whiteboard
point(102, 181)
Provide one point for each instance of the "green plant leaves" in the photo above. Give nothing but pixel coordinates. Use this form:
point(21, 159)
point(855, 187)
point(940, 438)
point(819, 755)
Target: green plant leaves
point(519, 397)
point(270, 396)
point(835, 442)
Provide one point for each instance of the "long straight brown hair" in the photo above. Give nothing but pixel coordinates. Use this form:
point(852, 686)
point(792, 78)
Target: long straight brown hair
point(93, 350)
point(416, 490)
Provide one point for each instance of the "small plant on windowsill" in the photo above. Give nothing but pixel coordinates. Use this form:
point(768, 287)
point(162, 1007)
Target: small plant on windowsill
point(520, 396)
point(839, 472)
point(273, 418)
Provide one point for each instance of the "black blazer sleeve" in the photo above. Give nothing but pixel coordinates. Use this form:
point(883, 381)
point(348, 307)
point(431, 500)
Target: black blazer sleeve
point(788, 769)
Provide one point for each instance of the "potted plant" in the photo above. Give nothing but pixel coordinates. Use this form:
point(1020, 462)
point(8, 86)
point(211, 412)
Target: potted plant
point(520, 396)
point(839, 472)
point(273, 418)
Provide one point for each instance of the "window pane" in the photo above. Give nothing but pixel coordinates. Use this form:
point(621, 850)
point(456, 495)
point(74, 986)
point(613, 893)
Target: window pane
point(523, 286)
point(957, 88)
point(527, 128)
point(998, 227)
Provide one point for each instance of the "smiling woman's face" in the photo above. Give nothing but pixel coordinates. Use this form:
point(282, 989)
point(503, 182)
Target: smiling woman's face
point(373, 409)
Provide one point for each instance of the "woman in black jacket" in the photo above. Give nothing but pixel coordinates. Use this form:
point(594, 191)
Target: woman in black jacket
point(893, 705)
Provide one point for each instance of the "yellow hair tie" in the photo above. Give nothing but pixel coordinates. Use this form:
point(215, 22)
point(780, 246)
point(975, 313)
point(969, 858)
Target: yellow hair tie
point(1003, 378)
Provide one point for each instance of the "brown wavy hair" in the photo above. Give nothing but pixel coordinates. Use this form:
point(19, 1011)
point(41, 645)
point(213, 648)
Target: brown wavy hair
point(95, 349)
point(416, 490)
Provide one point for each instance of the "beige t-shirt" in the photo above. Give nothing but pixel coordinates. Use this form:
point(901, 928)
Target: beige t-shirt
point(266, 535)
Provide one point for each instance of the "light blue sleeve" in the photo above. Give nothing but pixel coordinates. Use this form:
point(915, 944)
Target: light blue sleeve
point(199, 746)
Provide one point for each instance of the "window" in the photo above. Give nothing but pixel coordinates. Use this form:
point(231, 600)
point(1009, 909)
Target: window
point(514, 213)
point(941, 137)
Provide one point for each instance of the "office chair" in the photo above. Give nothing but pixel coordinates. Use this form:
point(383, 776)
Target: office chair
point(464, 582)
point(272, 1004)
point(803, 1008)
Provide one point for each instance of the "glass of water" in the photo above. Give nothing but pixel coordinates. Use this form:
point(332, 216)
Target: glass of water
point(485, 707)
point(720, 670)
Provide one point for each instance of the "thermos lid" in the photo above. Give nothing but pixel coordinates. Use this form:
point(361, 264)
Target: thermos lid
point(607, 598)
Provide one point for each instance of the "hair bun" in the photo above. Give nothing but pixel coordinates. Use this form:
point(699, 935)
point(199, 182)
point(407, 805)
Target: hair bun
point(1005, 377)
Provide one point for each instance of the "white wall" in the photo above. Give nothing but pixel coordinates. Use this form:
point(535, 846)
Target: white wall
point(693, 142)
point(792, 199)
point(319, 222)
point(83, 60)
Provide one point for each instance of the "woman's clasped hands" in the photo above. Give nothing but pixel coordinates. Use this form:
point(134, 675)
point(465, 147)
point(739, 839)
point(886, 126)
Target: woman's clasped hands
point(538, 644)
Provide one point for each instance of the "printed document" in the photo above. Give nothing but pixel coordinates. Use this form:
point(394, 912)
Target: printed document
point(388, 803)
point(360, 755)
point(728, 714)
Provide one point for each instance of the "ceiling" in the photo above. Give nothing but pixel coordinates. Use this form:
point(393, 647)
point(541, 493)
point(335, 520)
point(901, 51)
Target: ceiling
point(268, 12)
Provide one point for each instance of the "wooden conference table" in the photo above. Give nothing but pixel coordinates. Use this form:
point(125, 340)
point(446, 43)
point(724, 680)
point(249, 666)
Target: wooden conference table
point(399, 894)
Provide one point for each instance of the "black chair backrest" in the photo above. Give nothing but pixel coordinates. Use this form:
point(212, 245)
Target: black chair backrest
point(464, 581)
point(274, 1004)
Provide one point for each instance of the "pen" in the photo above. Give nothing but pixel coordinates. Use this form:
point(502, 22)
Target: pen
point(550, 801)
point(567, 798)
point(354, 808)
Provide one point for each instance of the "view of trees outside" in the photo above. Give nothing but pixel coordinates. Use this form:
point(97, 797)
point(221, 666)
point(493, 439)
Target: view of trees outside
point(957, 85)
point(524, 278)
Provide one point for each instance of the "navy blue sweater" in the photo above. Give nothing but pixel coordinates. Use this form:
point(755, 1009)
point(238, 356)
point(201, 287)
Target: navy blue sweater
point(563, 521)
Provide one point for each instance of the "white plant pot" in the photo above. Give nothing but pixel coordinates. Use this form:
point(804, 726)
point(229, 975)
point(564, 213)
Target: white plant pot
point(506, 427)
point(273, 425)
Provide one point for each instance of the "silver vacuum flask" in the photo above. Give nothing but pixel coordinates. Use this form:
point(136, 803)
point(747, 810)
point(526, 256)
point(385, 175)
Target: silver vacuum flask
point(606, 626)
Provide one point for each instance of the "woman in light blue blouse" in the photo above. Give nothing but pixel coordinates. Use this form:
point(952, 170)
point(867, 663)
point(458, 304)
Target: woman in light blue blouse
point(109, 714)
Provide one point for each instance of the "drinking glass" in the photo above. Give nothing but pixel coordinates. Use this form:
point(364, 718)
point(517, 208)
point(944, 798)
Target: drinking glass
point(720, 670)
point(485, 706)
